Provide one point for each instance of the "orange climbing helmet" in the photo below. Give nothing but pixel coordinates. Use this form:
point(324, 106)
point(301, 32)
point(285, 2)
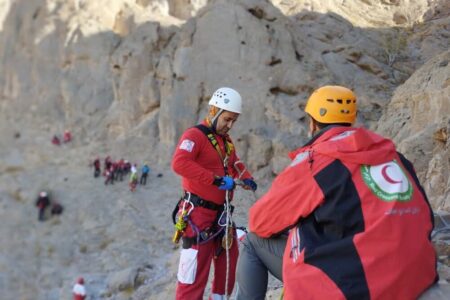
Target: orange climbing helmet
point(332, 104)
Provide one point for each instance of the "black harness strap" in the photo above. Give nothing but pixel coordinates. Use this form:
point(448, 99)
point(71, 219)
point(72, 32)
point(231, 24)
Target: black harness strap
point(197, 201)
point(212, 139)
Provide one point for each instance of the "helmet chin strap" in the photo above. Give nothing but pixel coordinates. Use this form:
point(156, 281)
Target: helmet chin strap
point(214, 120)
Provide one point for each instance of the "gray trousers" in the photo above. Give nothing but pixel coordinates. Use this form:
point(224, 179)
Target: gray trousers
point(257, 257)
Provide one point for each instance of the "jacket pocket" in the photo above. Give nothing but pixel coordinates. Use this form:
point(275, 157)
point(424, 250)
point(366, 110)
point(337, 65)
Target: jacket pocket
point(187, 268)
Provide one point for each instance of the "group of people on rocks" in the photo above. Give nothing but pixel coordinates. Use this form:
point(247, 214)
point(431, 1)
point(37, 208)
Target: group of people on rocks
point(117, 170)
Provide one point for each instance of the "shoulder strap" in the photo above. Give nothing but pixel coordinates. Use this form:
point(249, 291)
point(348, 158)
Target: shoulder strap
point(210, 135)
point(212, 139)
point(229, 147)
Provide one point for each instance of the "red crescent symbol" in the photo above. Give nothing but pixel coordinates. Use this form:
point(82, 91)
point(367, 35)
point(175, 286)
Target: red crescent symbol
point(386, 176)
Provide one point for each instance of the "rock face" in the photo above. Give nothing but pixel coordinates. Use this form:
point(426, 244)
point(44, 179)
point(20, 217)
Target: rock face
point(418, 119)
point(127, 77)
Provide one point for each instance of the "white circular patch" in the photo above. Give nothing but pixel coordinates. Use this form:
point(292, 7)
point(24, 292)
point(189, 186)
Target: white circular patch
point(390, 178)
point(388, 181)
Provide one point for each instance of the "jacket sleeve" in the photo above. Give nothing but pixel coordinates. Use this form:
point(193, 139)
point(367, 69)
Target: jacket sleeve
point(293, 195)
point(239, 168)
point(236, 166)
point(184, 159)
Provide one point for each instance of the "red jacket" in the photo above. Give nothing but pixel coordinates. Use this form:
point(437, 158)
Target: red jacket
point(361, 221)
point(197, 161)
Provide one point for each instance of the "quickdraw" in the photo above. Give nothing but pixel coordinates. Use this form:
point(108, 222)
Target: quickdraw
point(181, 220)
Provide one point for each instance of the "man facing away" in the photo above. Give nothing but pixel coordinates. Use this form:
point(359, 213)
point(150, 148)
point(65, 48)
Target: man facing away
point(205, 158)
point(359, 222)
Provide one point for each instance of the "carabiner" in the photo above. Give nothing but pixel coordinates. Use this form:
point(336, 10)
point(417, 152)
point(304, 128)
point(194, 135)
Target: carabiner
point(188, 200)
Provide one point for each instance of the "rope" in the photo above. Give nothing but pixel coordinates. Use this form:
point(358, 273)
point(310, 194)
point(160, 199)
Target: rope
point(227, 209)
point(446, 226)
point(240, 173)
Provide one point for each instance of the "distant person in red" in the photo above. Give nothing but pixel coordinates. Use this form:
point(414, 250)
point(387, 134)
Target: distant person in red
point(108, 163)
point(56, 141)
point(79, 291)
point(109, 176)
point(67, 137)
point(97, 170)
point(42, 203)
point(126, 167)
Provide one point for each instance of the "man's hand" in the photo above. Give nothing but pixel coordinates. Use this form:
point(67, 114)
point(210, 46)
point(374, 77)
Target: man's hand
point(250, 184)
point(224, 183)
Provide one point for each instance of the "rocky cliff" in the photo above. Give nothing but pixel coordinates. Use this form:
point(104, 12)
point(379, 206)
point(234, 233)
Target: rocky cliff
point(127, 77)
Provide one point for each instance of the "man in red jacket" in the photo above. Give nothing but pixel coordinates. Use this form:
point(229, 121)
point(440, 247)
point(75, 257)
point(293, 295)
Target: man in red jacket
point(206, 159)
point(79, 291)
point(359, 221)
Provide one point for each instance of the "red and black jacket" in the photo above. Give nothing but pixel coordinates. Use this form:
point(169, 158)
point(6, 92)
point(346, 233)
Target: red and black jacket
point(360, 221)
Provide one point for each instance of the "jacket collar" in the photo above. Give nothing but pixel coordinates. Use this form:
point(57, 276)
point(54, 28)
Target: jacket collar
point(320, 133)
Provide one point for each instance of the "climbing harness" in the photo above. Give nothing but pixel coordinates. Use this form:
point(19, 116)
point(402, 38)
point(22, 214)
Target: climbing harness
point(229, 147)
point(181, 219)
point(197, 201)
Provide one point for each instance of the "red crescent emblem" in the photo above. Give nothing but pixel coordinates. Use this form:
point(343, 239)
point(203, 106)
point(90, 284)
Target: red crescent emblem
point(386, 176)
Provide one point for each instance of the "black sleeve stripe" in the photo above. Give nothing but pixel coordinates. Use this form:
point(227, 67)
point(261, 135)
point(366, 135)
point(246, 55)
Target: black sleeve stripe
point(327, 234)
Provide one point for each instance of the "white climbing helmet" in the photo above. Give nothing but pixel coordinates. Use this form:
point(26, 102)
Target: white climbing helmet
point(227, 99)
